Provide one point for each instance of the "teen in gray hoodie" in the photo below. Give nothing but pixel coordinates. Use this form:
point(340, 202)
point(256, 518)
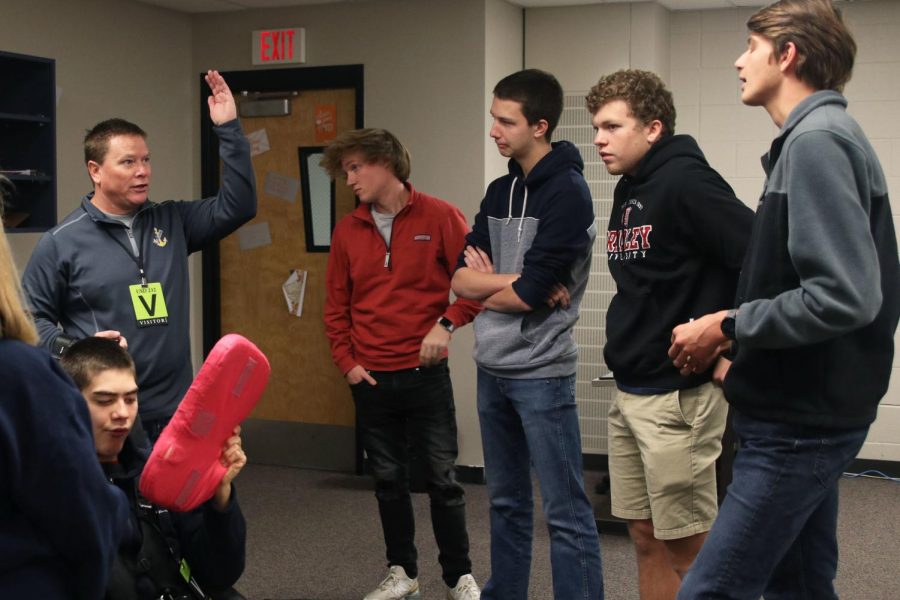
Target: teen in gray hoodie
point(528, 259)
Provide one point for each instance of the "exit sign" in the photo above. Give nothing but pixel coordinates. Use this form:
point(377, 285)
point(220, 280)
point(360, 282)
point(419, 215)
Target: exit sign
point(279, 46)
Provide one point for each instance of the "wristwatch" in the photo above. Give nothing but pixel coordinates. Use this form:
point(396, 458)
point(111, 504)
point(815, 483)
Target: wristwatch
point(446, 324)
point(729, 323)
point(60, 345)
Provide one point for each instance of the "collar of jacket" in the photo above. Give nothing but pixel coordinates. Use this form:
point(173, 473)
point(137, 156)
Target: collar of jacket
point(806, 106)
point(363, 211)
point(98, 215)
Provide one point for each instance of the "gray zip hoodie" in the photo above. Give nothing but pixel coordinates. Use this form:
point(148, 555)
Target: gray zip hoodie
point(549, 242)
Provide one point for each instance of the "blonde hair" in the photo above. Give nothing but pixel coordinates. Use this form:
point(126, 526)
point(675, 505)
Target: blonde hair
point(375, 146)
point(15, 322)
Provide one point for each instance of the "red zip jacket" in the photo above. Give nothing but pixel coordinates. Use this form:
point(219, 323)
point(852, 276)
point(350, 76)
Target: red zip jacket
point(381, 304)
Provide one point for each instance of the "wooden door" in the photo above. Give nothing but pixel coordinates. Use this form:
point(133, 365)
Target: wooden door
point(307, 399)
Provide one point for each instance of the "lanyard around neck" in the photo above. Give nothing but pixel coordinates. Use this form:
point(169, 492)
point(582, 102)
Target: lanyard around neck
point(137, 259)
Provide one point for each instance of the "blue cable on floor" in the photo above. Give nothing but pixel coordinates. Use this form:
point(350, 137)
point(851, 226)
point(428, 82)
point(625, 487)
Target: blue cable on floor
point(872, 474)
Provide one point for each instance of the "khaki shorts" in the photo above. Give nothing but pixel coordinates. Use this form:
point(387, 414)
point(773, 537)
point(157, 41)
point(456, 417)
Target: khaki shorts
point(662, 454)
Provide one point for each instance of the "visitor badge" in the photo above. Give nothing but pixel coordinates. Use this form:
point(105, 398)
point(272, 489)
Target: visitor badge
point(149, 304)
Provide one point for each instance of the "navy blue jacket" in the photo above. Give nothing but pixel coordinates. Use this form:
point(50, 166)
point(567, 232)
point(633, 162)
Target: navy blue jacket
point(213, 543)
point(60, 520)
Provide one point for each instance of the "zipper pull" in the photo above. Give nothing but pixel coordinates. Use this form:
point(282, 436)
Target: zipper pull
point(387, 259)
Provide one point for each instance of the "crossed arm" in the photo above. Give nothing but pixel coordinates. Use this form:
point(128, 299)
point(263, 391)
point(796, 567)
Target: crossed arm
point(478, 281)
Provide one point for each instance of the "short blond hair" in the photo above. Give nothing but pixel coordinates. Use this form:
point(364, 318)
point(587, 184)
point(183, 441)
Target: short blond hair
point(375, 146)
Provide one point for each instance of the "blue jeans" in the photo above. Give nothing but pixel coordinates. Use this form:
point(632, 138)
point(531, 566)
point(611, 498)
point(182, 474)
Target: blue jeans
point(525, 423)
point(776, 533)
point(413, 410)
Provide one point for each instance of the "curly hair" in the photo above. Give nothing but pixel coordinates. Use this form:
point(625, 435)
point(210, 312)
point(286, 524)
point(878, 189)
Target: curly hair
point(644, 93)
point(375, 146)
point(825, 48)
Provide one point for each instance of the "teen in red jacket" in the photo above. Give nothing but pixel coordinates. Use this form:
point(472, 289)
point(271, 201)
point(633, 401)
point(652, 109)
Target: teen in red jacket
point(389, 318)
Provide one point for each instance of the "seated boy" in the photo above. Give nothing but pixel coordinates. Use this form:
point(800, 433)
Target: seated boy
point(162, 554)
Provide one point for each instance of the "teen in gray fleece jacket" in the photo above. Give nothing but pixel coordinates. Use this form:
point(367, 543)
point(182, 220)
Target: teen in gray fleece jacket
point(818, 302)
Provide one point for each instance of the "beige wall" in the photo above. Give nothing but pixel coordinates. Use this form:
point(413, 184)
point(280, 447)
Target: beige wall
point(599, 39)
point(503, 42)
point(503, 54)
point(424, 73)
point(650, 30)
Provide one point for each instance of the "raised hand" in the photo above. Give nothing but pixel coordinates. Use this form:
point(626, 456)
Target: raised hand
point(222, 107)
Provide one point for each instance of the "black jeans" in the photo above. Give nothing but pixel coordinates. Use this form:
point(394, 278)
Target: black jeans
point(413, 410)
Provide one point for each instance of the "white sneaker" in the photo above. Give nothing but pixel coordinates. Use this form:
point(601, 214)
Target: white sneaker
point(396, 586)
point(466, 589)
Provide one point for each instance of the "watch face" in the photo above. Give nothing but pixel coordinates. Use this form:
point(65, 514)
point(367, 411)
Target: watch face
point(446, 324)
point(728, 327)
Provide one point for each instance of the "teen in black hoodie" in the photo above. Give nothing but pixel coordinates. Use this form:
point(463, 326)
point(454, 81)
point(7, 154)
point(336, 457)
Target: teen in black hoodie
point(675, 241)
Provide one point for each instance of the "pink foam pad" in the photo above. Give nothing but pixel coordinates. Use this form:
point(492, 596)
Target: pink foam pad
point(184, 470)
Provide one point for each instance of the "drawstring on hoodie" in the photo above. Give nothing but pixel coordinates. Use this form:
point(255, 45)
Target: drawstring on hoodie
point(512, 189)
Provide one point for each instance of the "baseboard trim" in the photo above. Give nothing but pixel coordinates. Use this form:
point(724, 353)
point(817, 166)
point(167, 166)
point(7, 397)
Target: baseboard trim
point(300, 445)
point(475, 473)
point(595, 462)
point(470, 474)
point(599, 462)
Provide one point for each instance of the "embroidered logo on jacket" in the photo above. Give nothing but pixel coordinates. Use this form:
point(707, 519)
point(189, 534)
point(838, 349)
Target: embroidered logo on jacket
point(423, 237)
point(159, 238)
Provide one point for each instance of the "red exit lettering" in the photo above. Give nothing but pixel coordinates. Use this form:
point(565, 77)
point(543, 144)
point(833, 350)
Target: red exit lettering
point(276, 45)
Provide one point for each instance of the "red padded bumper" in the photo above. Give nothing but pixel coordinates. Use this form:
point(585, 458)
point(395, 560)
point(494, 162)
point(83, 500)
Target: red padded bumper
point(184, 470)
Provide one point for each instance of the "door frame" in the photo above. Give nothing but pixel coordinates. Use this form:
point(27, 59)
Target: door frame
point(259, 80)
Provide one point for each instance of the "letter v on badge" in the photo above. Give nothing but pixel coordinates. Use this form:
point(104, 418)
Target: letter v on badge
point(149, 304)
